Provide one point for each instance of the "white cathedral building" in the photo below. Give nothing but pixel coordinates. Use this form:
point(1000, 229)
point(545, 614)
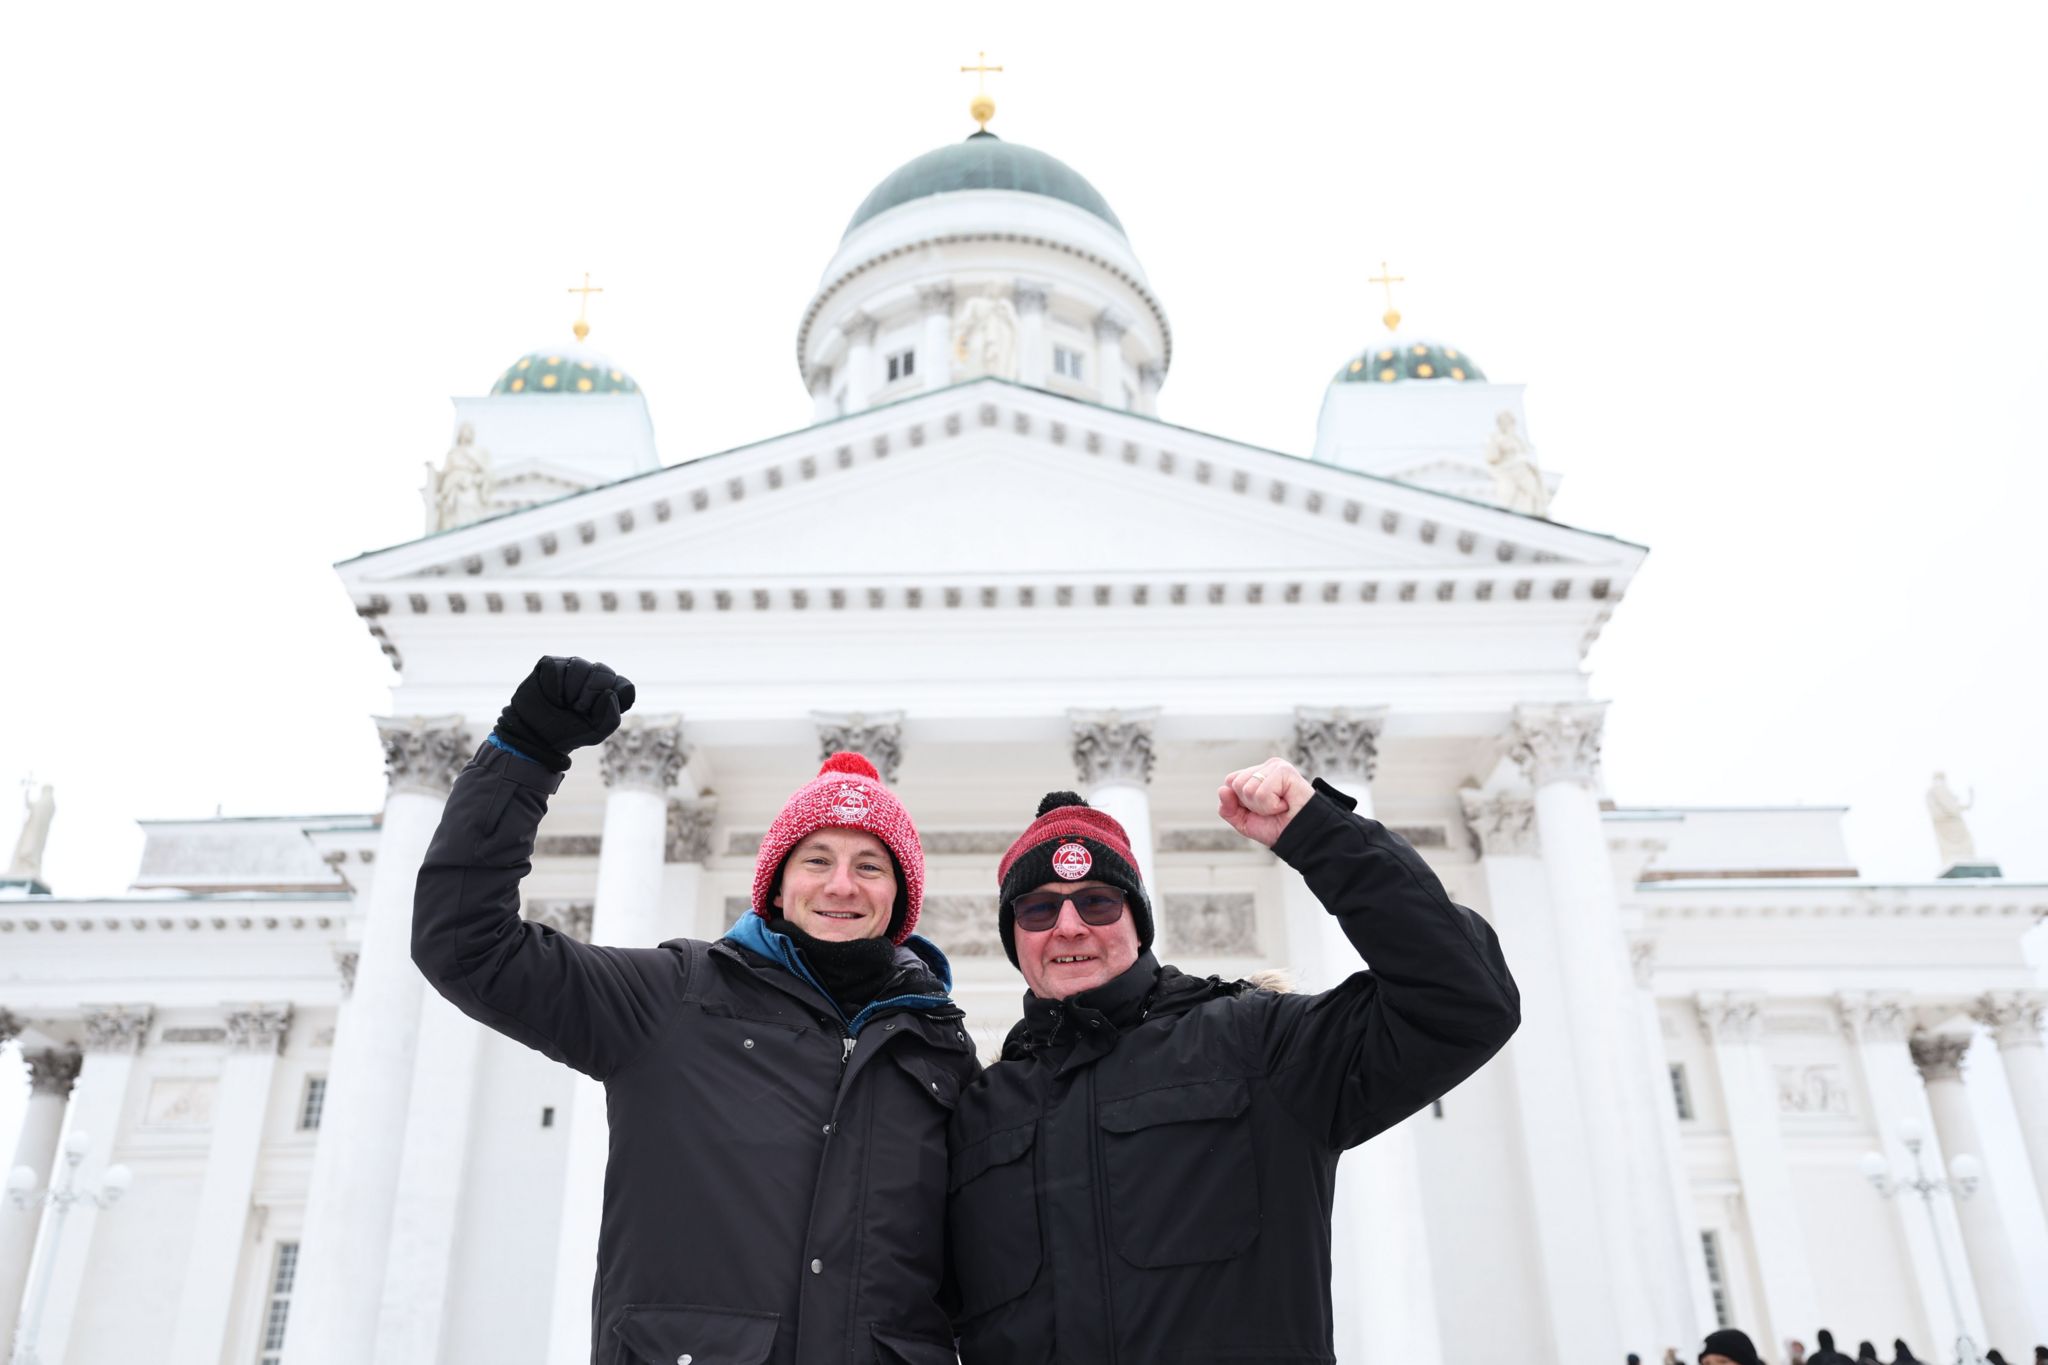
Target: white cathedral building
point(1052, 587)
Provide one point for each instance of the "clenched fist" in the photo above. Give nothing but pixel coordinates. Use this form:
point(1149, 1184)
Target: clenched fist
point(1259, 801)
point(564, 704)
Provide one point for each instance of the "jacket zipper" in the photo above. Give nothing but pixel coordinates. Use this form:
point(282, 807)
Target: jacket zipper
point(846, 1054)
point(1100, 1177)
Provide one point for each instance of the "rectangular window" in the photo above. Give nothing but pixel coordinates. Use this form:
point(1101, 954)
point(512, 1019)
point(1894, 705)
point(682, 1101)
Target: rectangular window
point(279, 1305)
point(1066, 362)
point(1717, 1279)
point(312, 1103)
point(902, 365)
point(1681, 1095)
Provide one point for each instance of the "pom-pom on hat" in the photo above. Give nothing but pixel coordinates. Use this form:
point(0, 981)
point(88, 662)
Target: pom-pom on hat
point(847, 793)
point(1070, 841)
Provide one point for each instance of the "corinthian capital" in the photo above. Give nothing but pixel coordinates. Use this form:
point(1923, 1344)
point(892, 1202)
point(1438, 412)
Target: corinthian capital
point(1504, 824)
point(860, 329)
point(2015, 1018)
point(876, 737)
point(1336, 742)
point(1727, 1017)
point(689, 831)
point(53, 1070)
point(423, 753)
point(645, 753)
point(116, 1028)
point(1112, 747)
point(1939, 1056)
point(1030, 296)
point(1109, 326)
point(10, 1026)
point(1558, 743)
point(573, 918)
point(258, 1028)
point(1870, 1018)
point(935, 298)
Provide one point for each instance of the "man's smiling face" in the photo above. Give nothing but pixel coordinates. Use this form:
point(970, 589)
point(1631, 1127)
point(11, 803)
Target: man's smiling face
point(1074, 955)
point(839, 884)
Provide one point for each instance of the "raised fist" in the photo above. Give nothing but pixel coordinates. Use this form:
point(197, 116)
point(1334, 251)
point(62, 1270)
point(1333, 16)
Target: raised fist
point(1259, 801)
point(564, 704)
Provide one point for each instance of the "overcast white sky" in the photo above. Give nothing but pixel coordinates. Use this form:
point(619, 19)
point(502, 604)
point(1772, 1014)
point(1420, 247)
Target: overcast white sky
point(1773, 274)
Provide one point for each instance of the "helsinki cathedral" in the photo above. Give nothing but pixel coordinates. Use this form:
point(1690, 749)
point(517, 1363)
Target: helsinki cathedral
point(1736, 1053)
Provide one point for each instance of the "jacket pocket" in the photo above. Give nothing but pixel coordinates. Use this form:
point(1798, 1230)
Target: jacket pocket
point(664, 1334)
point(935, 1079)
point(1183, 1182)
point(992, 1218)
point(893, 1348)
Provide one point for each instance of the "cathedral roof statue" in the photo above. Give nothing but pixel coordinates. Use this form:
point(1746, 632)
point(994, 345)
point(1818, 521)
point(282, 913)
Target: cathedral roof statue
point(984, 162)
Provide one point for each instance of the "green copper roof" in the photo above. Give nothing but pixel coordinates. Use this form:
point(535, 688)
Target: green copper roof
point(984, 162)
point(1398, 358)
point(564, 371)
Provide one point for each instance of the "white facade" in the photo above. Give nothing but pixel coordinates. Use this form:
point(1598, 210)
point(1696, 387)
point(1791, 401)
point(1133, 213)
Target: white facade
point(965, 578)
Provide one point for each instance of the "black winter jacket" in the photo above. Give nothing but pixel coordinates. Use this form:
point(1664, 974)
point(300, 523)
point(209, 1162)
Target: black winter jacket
point(776, 1184)
point(1147, 1174)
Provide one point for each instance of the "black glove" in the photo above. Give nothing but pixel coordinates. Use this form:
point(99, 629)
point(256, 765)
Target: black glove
point(563, 704)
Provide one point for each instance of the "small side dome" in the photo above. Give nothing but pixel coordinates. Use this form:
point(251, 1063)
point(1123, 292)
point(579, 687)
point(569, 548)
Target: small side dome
point(565, 369)
point(1399, 358)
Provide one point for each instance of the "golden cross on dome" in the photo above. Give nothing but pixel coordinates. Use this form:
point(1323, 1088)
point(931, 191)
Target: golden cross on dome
point(582, 327)
point(1386, 279)
point(981, 109)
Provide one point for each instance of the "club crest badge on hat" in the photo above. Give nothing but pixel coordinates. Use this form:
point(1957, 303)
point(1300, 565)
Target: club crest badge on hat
point(1072, 861)
point(851, 804)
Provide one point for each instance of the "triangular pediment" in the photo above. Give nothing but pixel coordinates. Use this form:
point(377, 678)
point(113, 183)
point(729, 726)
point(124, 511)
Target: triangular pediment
point(991, 482)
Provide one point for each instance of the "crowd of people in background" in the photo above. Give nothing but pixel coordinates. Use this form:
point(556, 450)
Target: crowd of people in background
point(1731, 1347)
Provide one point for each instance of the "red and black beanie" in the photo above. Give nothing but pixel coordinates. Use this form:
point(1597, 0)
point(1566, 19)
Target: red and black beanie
point(1070, 841)
point(847, 793)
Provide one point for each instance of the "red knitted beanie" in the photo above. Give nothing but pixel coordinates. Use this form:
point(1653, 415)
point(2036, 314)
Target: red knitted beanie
point(847, 793)
point(1070, 841)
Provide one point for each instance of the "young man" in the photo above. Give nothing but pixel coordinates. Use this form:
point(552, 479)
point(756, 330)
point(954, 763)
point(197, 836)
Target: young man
point(1147, 1174)
point(778, 1099)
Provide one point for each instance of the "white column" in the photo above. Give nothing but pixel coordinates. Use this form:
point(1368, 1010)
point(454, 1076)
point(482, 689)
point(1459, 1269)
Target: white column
point(1151, 379)
point(1558, 747)
point(112, 1037)
point(213, 1259)
point(1939, 1059)
point(1642, 954)
point(1733, 1025)
point(1032, 357)
point(1878, 1026)
point(822, 407)
point(639, 765)
point(51, 1074)
point(1109, 359)
point(1382, 1290)
point(2015, 1020)
point(860, 361)
point(935, 349)
point(356, 1163)
point(1113, 764)
point(1559, 1171)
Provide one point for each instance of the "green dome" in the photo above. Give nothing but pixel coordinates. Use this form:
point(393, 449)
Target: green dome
point(567, 369)
point(1399, 358)
point(983, 162)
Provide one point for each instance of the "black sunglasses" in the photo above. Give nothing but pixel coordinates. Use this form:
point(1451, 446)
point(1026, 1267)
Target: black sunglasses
point(1097, 905)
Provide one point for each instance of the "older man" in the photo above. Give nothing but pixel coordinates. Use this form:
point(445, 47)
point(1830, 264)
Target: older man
point(778, 1099)
point(1147, 1173)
